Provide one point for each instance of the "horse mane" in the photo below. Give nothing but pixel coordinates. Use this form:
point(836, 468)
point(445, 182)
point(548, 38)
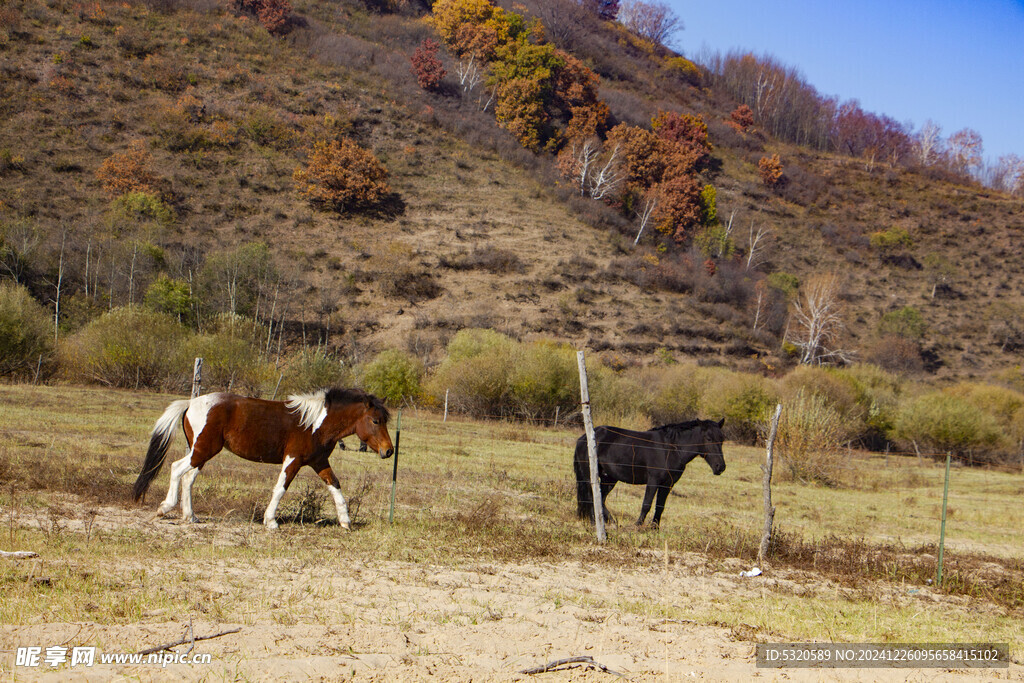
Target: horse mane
point(313, 406)
point(337, 397)
point(681, 426)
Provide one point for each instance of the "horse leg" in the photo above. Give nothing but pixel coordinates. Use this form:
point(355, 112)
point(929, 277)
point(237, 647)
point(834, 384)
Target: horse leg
point(646, 506)
point(606, 488)
point(327, 474)
point(659, 505)
point(187, 480)
point(178, 469)
point(288, 471)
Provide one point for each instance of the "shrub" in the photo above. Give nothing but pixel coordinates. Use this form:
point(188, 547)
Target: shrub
point(394, 376)
point(340, 175)
point(170, 296)
point(877, 393)
point(838, 391)
point(891, 240)
point(427, 67)
point(742, 116)
point(128, 171)
point(770, 169)
point(545, 378)
point(26, 332)
point(742, 399)
point(942, 422)
point(675, 392)
point(272, 14)
point(137, 206)
point(906, 322)
point(129, 347)
point(809, 438)
point(1002, 404)
point(311, 369)
point(476, 373)
point(230, 349)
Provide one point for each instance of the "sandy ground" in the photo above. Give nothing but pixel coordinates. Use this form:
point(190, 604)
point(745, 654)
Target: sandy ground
point(415, 622)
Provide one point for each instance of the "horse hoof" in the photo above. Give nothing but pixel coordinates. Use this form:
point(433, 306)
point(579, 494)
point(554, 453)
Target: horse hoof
point(270, 523)
point(345, 526)
point(190, 520)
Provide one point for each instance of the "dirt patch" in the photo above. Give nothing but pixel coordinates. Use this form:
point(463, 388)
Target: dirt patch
point(410, 621)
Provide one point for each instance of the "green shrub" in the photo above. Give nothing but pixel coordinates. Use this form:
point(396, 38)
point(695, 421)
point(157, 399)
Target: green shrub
point(170, 296)
point(905, 322)
point(230, 349)
point(26, 332)
point(742, 399)
point(837, 390)
point(129, 347)
point(674, 392)
point(784, 282)
point(1002, 404)
point(545, 377)
point(477, 373)
point(312, 369)
point(890, 240)
point(619, 399)
point(877, 393)
point(394, 376)
point(941, 422)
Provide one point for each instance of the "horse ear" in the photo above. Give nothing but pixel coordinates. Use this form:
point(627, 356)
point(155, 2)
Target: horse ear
point(721, 423)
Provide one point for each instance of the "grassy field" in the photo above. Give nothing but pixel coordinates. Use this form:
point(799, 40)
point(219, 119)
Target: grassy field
point(851, 564)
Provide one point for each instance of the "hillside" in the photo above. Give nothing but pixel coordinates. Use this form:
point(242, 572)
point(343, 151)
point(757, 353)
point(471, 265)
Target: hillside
point(477, 231)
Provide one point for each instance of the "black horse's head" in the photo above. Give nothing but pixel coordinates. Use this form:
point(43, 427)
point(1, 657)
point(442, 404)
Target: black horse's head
point(711, 433)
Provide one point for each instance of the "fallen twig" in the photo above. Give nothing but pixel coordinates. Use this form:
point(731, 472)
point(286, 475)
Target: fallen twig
point(584, 659)
point(189, 637)
point(18, 554)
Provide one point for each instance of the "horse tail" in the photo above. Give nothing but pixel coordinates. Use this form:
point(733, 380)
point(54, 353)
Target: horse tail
point(160, 439)
point(584, 491)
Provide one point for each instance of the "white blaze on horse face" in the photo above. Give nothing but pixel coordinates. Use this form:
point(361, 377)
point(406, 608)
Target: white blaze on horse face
point(269, 517)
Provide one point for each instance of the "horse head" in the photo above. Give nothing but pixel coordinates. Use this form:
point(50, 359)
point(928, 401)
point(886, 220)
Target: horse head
point(713, 437)
point(372, 426)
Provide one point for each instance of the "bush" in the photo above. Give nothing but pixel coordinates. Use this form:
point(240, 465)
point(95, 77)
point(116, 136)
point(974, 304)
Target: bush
point(340, 176)
point(138, 206)
point(309, 370)
point(545, 378)
point(941, 422)
point(128, 171)
point(743, 400)
point(230, 350)
point(1002, 404)
point(476, 373)
point(272, 14)
point(26, 332)
point(809, 438)
point(129, 347)
point(170, 296)
point(905, 322)
point(770, 169)
point(836, 390)
point(675, 392)
point(426, 66)
point(394, 376)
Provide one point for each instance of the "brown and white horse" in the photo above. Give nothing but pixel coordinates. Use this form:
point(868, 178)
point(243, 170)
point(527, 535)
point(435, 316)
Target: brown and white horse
point(300, 431)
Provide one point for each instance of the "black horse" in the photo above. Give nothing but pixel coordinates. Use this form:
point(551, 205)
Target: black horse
point(656, 458)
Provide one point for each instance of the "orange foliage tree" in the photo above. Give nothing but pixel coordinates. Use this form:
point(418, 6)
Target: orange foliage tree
point(272, 14)
point(770, 169)
point(128, 171)
point(340, 175)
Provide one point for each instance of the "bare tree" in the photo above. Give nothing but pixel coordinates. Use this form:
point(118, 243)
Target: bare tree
point(818, 314)
point(755, 248)
point(965, 149)
point(644, 213)
point(927, 142)
point(654, 21)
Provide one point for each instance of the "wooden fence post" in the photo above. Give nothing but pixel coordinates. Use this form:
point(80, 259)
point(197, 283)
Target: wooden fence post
point(197, 377)
point(588, 426)
point(769, 509)
point(445, 406)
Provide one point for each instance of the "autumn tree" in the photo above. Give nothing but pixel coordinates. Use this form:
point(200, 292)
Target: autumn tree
point(426, 65)
point(128, 171)
point(340, 175)
point(272, 14)
point(770, 169)
point(742, 117)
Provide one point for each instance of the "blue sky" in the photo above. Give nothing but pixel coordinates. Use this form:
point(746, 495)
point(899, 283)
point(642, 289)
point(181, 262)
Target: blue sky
point(960, 64)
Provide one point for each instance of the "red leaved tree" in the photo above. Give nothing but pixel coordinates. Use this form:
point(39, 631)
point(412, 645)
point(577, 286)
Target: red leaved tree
point(272, 14)
point(427, 66)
